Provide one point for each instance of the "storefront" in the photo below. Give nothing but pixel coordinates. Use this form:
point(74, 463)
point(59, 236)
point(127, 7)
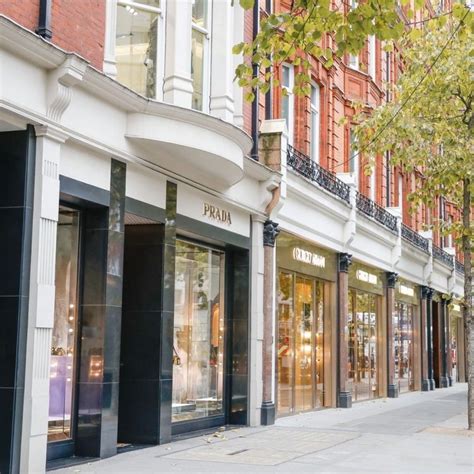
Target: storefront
point(456, 343)
point(365, 331)
point(150, 332)
point(306, 276)
point(404, 319)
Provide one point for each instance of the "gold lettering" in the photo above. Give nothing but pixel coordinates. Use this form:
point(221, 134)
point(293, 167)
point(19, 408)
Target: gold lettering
point(206, 209)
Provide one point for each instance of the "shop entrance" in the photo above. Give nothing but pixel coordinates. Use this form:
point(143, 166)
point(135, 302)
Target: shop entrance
point(362, 324)
point(300, 343)
point(403, 346)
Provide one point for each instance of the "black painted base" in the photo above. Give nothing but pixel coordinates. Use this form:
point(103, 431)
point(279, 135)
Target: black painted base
point(425, 385)
point(392, 391)
point(443, 382)
point(450, 381)
point(345, 400)
point(268, 413)
point(432, 384)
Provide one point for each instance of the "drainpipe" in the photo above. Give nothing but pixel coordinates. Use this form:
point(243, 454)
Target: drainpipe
point(44, 23)
point(255, 103)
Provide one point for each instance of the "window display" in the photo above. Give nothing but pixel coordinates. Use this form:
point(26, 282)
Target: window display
point(62, 365)
point(362, 353)
point(403, 346)
point(300, 343)
point(198, 335)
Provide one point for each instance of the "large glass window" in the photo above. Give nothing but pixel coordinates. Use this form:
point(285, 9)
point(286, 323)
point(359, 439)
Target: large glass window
point(362, 354)
point(300, 343)
point(403, 346)
point(287, 103)
point(198, 334)
point(136, 49)
point(315, 127)
point(200, 53)
point(63, 348)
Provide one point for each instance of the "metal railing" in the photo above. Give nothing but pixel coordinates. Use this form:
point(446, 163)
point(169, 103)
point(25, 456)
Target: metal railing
point(373, 210)
point(415, 238)
point(459, 267)
point(306, 167)
point(442, 256)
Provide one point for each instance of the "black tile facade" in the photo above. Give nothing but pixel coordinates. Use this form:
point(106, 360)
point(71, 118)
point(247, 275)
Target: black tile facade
point(17, 165)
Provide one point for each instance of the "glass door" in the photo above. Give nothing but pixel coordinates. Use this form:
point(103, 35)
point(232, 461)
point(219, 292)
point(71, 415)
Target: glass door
point(403, 346)
point(304, 343)
point(64, 340)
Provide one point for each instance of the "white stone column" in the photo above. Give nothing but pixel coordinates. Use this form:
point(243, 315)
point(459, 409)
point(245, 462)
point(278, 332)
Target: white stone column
point(42, 299)
point(222, 71)
point(110, 67)
point(238, 37)
point(256, 320)
point(178, 85)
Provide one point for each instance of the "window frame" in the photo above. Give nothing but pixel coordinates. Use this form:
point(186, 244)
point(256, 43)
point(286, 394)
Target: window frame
point(291, 99)
point(354, 161)
point(372, 57)
point(206, 73)
point(160, 40)
point(315, 110)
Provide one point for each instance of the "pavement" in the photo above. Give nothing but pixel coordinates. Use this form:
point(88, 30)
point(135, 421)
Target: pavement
point(417, 432)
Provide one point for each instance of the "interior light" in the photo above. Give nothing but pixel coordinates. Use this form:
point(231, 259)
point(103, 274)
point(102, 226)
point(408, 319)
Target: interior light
point(127, 8)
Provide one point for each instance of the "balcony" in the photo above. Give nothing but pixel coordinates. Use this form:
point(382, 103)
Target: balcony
point(376, 212)
point(442, 256)
point(415, 238)
point(459, 267)
point(307, 168)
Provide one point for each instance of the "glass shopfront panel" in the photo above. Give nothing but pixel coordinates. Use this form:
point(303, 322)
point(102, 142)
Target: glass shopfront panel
point(64, 340)
point(362, 350)
point(198, 335)
point(300, 343)
point(402, 321)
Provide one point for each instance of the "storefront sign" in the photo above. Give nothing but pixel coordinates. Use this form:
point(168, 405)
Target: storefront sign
point(309, 257)
point(217, 214)
point(406, 290)
point(366, 277)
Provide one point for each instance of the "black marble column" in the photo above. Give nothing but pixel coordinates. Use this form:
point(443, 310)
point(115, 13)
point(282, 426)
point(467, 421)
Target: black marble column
point(425, 374)
point(147, 335)
point(238, 301)
point(429, 340)
point(101, 308)
point(17, 168)
point(443, 379)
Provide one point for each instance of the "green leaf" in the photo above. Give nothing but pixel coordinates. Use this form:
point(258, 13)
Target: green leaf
point(246, 5)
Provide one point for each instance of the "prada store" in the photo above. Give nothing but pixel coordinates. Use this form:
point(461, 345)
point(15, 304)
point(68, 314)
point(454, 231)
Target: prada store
point(305, 296)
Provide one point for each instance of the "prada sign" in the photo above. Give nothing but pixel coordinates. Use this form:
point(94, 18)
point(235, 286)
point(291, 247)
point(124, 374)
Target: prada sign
point(216, 214)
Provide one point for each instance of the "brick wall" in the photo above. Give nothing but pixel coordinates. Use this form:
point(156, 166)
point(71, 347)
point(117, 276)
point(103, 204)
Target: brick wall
point(77, 25)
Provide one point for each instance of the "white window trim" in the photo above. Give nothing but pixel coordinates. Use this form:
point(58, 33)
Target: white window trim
point(372, 57)
point(315, 109)
point(355, 160)
point(372, 181)
point(160, 50)
point(206, 76)
point(353, 62)
point(291, 101)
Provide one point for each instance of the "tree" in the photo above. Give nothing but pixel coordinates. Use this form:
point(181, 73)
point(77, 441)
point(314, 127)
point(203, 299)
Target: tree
point(300, 33)
point(428, 129)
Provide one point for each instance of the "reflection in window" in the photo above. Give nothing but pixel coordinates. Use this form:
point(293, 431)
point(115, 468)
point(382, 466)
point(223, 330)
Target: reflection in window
point(198, 334)
point(136, 51)
point(199, 52)
point(62, 367)
point(403, 345)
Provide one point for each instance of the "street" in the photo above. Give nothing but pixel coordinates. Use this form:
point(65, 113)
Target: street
point(417, 432)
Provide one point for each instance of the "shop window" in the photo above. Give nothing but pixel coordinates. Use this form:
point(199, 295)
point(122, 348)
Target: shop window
point(64, 339)
point(198, 334)
point(200, 54)
point(403, 345)
point(315, 124)
point(287, 99)
point(138, 36)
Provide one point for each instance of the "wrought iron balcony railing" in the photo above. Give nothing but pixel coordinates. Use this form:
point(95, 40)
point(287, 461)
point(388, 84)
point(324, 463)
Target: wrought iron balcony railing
point(306, 167)
point(372, 209)
point(459, 267)
point(415, 238)
point(442, 256)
